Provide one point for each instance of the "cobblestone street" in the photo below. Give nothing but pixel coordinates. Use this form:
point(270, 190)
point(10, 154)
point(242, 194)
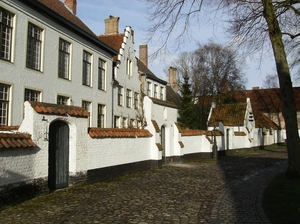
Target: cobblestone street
point(202, 191)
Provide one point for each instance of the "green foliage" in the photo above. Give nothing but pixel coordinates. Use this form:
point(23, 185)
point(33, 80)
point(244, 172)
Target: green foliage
point(187, 111)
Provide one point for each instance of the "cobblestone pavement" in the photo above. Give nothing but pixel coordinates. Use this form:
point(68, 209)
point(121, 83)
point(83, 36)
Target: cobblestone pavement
point(201, 191)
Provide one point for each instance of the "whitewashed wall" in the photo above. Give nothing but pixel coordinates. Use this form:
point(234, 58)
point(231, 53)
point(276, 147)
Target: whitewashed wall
point(46, 81)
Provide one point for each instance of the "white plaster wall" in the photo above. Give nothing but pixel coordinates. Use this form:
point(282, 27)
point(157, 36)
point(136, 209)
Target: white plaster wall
point(127, 51)
point(19, 77)
point(116, 151)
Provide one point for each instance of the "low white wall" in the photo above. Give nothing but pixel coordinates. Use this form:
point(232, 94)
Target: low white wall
point(116, 151)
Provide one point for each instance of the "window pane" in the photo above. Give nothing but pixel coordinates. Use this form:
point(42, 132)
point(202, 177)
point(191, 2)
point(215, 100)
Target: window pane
point(4, 104)
point(86, 73)
point(64, 57)
point(34, 43)
point(32, 95)
point(101, 75)
point(6, 34)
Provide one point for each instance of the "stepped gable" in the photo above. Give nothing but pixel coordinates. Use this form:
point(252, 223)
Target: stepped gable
point(61, 110)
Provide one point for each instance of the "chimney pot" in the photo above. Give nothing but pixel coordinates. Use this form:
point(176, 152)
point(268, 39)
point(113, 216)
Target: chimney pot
point(72, 5)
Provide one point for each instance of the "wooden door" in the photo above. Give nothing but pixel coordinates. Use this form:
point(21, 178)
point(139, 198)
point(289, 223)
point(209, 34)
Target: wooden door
point(58, 155)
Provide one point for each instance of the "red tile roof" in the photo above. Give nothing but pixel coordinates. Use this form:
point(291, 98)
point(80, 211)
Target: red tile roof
point(262, 120)
point(239, 133)
point(266, 100)
point(156, 127)
point(62, 110)
point(163, 102)
point(114, 41)
point(9, 128)
point(59, 7)
point(15, 140)
point(228, 114)
point(118, 133)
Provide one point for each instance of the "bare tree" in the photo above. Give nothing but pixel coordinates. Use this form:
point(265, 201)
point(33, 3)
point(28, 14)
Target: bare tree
point(270, 81)
point(256, 24)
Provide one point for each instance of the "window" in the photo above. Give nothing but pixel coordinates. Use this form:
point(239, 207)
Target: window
point(128, 98)
point(6, 22)
point(63, 100)
point(155, 91)
point(100, 120)
point(31, 95)
point(129, 67)
point(63, 59)
point(101, 74)
point(161, 93)
point(87, 106)
point(86, 70)
point(116, 121)
point(136, 100)
point(120, 95)
point(132, 123)
point(4, 103)
point(125, 122)
point(34, 47)
point(148, 88)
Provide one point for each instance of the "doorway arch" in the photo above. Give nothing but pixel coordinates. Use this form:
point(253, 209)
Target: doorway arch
point(58, 176)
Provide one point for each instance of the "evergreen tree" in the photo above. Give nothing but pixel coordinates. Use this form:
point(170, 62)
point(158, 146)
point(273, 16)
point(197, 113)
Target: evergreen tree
point(187, 112)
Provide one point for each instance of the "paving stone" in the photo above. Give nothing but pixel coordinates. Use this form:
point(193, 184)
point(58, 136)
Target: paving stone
point(227, 191)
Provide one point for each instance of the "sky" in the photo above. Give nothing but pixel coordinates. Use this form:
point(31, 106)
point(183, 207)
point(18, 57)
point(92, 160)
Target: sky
point(133, 13)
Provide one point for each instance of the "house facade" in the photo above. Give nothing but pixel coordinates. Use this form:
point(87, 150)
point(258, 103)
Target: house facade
point(126, 87)
point(51, 56)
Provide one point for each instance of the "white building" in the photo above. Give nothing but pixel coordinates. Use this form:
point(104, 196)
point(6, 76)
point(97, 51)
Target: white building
point(126, 93)
point(50, 56)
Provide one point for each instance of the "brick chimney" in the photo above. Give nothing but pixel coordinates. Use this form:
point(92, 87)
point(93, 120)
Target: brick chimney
point(173, 78)
point(112, 25)
point(143, 54)
point(72, 5)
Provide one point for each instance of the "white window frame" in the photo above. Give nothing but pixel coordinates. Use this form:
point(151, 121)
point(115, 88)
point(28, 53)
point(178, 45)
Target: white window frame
point(101, 74)
point(101, 116)
point(63, 100)
point(6, 28)
point(32, 95)
point(64, 59)
point(4, 103)
point(86, 68)
point(34, 47)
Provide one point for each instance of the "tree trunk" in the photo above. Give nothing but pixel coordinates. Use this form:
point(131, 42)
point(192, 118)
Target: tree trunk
point(286, 89)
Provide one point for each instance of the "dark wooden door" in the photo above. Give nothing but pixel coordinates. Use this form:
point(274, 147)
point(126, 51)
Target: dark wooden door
point(58, 155)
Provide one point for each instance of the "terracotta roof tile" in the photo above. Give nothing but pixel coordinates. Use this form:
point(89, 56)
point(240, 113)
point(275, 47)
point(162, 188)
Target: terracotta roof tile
point(15, 140)
point(181, 144)
point(55, 109)
point(157, 129)
point(266, 100)
point(163, 102)
point(114, 41)
point(9, 128)
point(262, 120)
point(118, 133)
point(239, 133)
point(191, 132)
point(159, 146)
point(228, 114)
point(59, 7)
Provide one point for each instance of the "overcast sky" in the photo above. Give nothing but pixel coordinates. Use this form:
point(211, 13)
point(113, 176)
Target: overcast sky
point(133, 13)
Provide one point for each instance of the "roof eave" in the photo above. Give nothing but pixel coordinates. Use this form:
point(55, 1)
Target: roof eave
point(41, 8)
